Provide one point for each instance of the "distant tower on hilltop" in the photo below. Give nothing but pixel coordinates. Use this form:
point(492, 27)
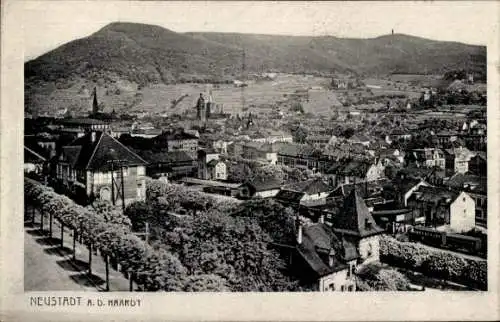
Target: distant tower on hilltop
point(392, 32)
point(95, 105)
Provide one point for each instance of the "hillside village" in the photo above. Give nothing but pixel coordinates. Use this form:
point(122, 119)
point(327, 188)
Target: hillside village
point(345, 183)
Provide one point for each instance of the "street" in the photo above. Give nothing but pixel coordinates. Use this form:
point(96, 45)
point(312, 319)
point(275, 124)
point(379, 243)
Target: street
point(48, 267)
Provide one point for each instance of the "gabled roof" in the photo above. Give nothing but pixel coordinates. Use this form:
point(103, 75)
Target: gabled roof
point(357, 168)
point(468, 182)
point(97, 154)
point(34, 151)
point(81, 121)
point(437, 195)
point(359, 138)
point(270, 184)
point(166, 156)
point(33, 156)
point(310, 187)
point(481, 154)
point(365, 189)
point(318, 240)
point(71, 154)
point(176, 135)
point(296, 150)
point(213, 163)
point(355, 218)
point(289, 196)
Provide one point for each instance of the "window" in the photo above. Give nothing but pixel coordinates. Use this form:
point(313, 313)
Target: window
point(369, 250)
point(350, 288)
point(331, 287)
point(140, 171)
point(342, 288)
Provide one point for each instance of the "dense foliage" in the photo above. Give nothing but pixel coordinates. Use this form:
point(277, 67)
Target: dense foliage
point(375, 277)
point(155, 270)
point(229, 251)
point(436, 263)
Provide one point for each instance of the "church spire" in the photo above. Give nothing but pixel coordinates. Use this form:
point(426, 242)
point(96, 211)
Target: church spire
point(95, 105)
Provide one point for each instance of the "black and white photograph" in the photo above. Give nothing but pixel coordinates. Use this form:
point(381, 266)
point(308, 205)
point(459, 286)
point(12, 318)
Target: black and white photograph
point(234, 147)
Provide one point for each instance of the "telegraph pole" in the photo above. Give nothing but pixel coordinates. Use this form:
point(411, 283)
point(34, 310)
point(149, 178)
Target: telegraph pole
point(120, 187)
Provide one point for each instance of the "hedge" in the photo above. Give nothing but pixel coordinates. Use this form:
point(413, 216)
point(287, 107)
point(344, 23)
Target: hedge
point(156, 270)
point(435, 263)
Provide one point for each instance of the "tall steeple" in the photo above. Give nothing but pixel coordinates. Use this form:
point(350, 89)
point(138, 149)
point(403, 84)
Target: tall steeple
point(95, 105)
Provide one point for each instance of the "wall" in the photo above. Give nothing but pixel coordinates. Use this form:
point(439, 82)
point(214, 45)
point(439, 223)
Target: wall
point(338, 279)
point(272, 157)
point(220, 171)
point(410, 192)
point(134, 183)
point(369, 245)
point(463, 213)
point(267, 193)
point(373, 173)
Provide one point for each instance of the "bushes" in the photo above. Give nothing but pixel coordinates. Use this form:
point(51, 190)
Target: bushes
point(374, 277)
point(435, 263)
point(156, 270)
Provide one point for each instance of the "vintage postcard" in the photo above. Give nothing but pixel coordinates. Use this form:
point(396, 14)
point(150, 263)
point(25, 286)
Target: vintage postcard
point(250, 160)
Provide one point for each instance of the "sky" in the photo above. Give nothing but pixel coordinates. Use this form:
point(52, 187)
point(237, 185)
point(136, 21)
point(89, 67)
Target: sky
point(49, 24)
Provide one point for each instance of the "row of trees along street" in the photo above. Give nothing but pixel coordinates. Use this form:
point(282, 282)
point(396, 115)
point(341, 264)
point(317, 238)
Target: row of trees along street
point(196, 242)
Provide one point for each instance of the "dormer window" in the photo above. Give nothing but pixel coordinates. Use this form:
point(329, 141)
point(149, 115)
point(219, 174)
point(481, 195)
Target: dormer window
point(368, 224)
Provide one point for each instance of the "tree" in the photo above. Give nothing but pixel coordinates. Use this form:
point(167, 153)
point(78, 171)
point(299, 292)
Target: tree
point(268, 172)
point(139, 213)
point(239, 172)
point(234, 248)
point(110, 213)
point(300, 134)
point(205, 283)
point(374, 277)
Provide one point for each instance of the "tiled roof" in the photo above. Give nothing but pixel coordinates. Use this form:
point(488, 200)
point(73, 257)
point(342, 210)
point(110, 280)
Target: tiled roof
point(365, 189)
point(357, 168)
point(468, 182)
point(359, 138)
point(81, 121)
point(296, 150)
point(166, 157)
point(434, 195)
point(32, 145)
point(96, 155)
point(318, 241)
point(176, 135)
point(289, 196)
point(310, 187)
point(265, 185)
point(355, 218)
point(213, 163)
point(33, 156)
point(71, 153)
point(405, 184)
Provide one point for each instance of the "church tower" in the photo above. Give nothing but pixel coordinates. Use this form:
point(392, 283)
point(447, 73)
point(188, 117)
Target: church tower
point(95, 105)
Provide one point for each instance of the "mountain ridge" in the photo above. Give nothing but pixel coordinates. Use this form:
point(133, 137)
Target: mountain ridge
point(148, 54)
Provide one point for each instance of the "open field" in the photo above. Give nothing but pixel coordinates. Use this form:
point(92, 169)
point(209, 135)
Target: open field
point(76, 95)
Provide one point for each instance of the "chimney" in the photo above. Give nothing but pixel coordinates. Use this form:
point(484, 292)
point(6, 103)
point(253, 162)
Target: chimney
point(331, 257)
point(299, 234)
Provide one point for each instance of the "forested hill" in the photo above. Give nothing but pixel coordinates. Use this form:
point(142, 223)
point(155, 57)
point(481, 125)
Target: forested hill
point(145, 54)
